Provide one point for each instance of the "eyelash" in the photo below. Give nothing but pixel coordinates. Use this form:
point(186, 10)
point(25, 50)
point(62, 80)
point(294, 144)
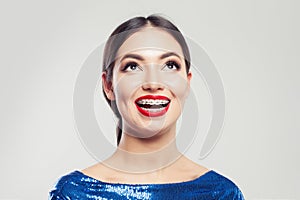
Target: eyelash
point(173, 63)
point(127, 65)
point(168, 63)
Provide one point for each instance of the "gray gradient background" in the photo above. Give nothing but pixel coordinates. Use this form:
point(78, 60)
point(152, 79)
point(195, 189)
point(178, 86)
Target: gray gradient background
point(254, 45)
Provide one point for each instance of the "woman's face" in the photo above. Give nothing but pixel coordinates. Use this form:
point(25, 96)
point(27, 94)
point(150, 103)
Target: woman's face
point(150, 83)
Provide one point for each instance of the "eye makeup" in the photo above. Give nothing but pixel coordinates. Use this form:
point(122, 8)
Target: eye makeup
point(171, 65)
point(130, 66)
point(132, 61)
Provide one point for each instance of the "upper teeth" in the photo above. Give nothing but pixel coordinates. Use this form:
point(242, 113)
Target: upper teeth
point(152, 101)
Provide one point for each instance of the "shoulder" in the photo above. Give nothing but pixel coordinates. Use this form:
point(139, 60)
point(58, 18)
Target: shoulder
point(69, 185)
point(210, 182)
point(221, 186)
point(188, 168)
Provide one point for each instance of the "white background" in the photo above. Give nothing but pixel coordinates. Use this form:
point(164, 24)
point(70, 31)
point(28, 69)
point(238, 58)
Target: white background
point(254, 45)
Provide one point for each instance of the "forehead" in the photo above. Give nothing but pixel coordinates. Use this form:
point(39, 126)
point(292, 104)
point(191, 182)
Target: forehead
point(150, 38)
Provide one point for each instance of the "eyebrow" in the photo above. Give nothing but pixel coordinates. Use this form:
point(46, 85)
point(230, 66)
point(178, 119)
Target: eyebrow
point(138, 57)
point(168, 54)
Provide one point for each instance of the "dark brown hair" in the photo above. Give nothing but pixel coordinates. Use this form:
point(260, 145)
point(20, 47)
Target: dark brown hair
point(118, 37)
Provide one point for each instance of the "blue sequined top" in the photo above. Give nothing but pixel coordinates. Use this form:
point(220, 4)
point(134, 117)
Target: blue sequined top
point(211, 185)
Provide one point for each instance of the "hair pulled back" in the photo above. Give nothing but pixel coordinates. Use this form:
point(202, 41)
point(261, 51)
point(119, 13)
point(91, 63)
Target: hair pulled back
point(119, 36)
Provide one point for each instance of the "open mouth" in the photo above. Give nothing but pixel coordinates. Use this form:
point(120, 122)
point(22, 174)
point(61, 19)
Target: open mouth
point(153, 105)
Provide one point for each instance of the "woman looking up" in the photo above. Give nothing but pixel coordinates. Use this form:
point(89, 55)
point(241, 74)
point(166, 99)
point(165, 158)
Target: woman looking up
point(146, 80)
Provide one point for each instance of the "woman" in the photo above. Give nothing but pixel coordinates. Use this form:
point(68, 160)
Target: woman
point(146, 79)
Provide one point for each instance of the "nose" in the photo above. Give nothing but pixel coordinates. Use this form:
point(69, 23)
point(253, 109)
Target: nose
point(152, 86)
point(152, 80)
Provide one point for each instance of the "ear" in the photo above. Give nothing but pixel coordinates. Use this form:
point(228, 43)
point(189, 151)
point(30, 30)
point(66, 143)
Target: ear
point(189, 77)
point(107, 87)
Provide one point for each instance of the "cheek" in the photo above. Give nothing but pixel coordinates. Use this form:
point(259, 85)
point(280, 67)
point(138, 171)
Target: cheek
point(125, 86)
point(177, 84)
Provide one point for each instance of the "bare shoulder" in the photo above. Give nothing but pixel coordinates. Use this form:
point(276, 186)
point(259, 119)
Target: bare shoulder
point(183, 169)
point(190, 167)
point(97, 171)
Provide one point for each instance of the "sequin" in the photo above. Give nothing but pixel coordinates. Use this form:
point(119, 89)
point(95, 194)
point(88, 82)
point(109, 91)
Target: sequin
point(211, 185)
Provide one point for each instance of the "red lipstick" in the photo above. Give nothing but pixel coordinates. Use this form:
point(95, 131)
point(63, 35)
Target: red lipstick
point(152, 105)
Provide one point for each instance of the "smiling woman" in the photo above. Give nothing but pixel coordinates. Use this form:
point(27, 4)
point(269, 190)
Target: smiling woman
point(146, 80)
point(148, 63)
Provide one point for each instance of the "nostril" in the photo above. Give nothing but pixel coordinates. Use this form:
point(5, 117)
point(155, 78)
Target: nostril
point(152, 86)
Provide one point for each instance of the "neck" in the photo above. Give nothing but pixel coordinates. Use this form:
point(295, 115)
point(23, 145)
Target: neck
point(141, 155)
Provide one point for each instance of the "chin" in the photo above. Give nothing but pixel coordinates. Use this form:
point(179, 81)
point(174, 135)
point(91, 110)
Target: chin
point(150, 129)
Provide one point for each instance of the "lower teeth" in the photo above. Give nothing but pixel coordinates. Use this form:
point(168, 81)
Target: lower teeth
point(153, 109)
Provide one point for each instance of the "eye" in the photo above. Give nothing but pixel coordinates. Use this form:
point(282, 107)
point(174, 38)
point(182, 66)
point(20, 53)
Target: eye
point(131, 66)
point(171, 65)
